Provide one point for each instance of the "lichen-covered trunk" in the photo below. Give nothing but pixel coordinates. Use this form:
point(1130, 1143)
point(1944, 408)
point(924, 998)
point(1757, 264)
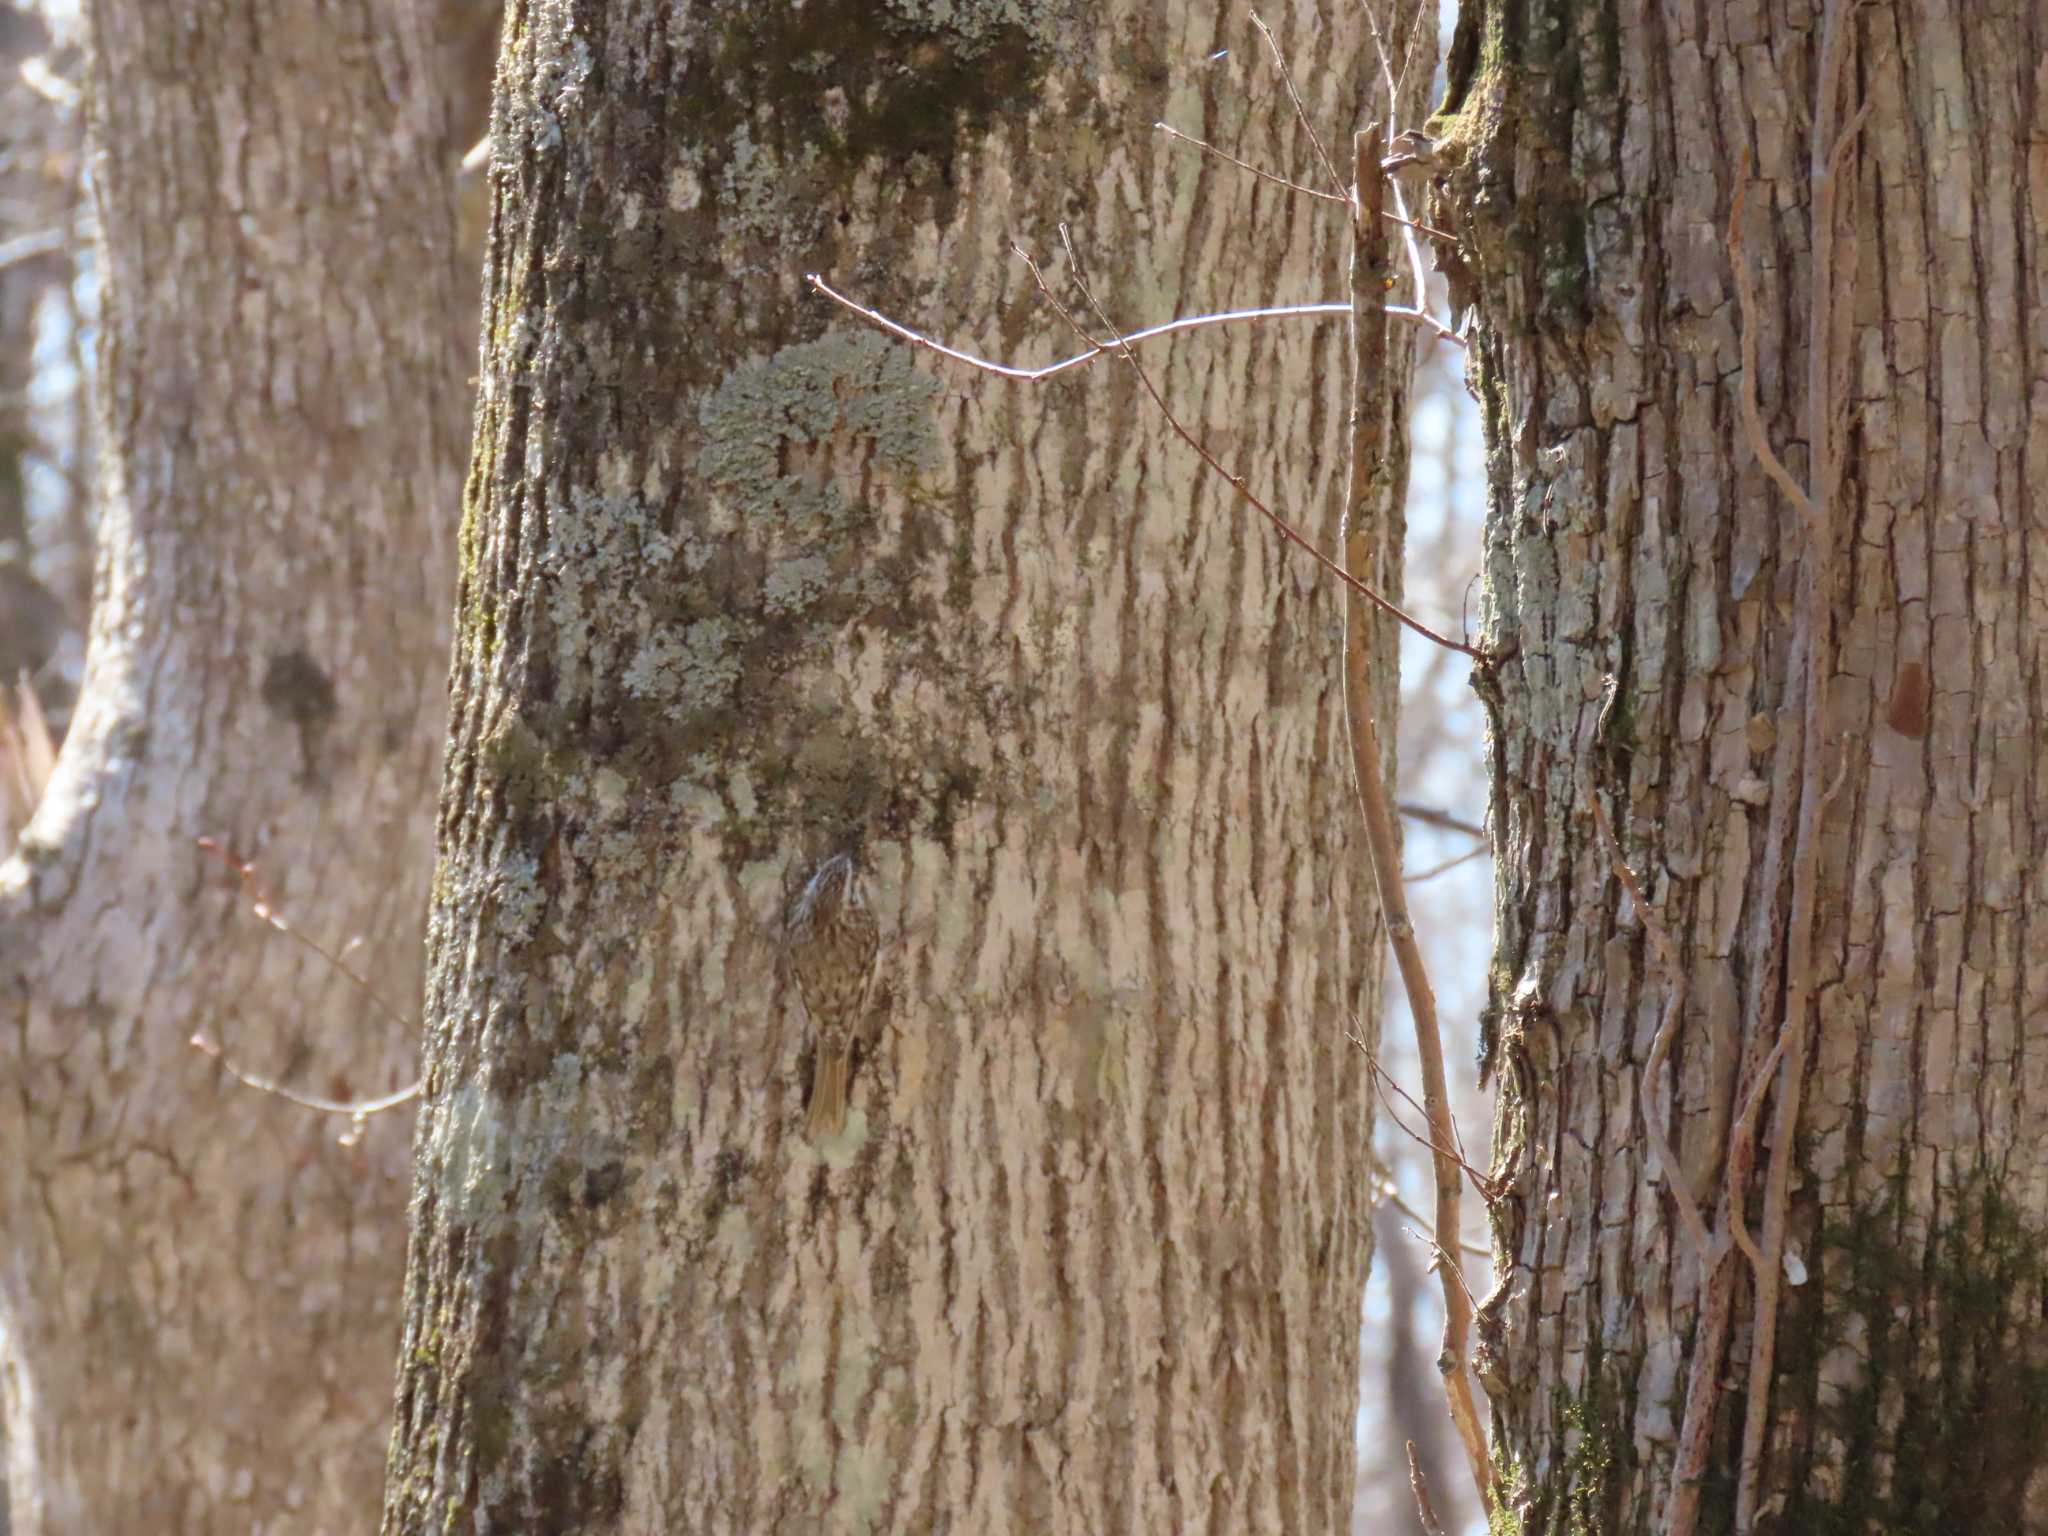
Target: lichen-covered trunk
point(748, 588)
point(1646, 574)
point(200, 1285)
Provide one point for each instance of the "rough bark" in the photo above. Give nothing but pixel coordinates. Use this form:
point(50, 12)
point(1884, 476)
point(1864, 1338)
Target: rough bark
point(745, 588)
point(200, 1285)
point(1590, 159)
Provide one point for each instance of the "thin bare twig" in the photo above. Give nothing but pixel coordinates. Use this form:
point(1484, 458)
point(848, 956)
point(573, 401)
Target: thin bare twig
point(1430, 816)
point(1412, 245)
point(1440, 1261)
point(41, 242)
point(1667, 1029)
point(1745, 303)
point(1300, 111)
point(1293, 186)
point(356, 1109)
point(1245, 165)
point(1427, 229)
point(1424, 1510)
point(1368, 511)
point(261, 904)
point(1742, 1144)
point(1383, 1080)
point(1448, 865)
point(1390, 1192)
point(1096, 348)
point(1417, 48)
point(1280, 524)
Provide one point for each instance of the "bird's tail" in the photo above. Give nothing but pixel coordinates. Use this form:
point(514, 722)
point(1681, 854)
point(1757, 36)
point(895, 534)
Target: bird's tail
point(828, 1092)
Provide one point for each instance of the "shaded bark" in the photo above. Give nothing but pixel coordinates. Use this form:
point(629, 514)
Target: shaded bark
point(744, 590)
point(1590, 161)
point(200, 1284)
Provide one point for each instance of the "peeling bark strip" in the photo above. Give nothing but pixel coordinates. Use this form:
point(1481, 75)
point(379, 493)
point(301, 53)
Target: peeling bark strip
point(1589, 163)
point(745, 588)
point(201, 1288)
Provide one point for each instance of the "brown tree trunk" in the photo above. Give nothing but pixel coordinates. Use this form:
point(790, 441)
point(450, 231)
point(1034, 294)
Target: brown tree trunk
point(746, 588)
point(1650, 579)
point(201, 1284)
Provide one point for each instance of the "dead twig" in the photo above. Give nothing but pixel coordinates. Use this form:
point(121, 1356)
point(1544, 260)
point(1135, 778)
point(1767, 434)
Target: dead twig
point(1292, 186)
point(1383, 1081)
point(1237, 482)
point(1300, 111)
point(1390, 1192)
point(1245, 165)
point(1096, 348)
point(266, 909)
point(1448, 865)
point(1366, 513)
point(1430, 816)
point(1745, 303)
point(1424, 1510)
point(1440, 1261)
point(358, 1110)
point(1408, 240)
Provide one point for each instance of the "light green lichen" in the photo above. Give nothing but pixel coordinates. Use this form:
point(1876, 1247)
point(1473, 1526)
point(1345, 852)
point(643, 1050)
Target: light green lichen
point(515, 756)
point(516, 889)
point(855, 382)
point(795, 584)
point(472, 1145)
point(693, 671)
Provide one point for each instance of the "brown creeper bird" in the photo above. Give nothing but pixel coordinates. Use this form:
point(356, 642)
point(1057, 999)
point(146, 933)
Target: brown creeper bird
point(833, 941)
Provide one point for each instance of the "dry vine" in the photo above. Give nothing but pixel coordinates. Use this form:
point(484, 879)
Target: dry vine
point(1825, 424)
point(1366, 513)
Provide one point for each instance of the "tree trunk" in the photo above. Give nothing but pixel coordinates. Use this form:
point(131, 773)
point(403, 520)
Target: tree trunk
point(746, 589)
point(201, 1284)
point(1661, 600)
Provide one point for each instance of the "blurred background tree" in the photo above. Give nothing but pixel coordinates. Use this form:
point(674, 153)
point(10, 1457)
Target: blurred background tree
point(200, 1278)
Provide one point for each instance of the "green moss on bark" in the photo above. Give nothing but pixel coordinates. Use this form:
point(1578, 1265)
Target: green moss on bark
point(1924, 1355)
point(1584, 1492)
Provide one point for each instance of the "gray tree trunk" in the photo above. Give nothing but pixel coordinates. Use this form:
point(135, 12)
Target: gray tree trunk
point(747, 587)
point(200, 1284)
point(1590, 161)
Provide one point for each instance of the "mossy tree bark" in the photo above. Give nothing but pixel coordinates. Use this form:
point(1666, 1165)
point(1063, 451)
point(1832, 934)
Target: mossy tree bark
point(1590, 156)
point(746, 588)
point(201, 1285)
